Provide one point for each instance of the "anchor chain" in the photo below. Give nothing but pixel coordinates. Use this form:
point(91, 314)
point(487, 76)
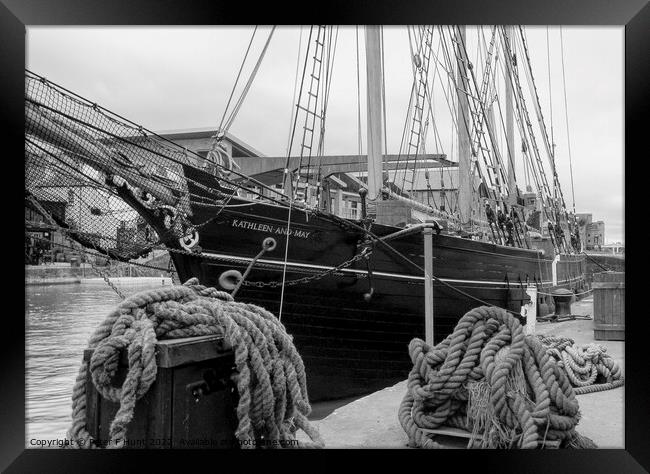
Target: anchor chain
point(275, 284)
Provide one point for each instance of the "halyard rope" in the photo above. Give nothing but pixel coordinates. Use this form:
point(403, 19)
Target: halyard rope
point(270, 375)
point(490, 379)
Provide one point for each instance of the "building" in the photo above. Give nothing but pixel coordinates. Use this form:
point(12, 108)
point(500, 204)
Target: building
point(592, 234)
point(596, 235)
point(200, 141)
point(43, 244)
point(437, 187)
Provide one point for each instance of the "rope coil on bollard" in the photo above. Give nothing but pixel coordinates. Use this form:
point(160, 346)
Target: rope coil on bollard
point(270, 374)
point(589, 368)
point(490, 379)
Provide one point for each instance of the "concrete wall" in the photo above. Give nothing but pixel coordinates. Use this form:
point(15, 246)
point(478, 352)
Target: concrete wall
point(50, 274)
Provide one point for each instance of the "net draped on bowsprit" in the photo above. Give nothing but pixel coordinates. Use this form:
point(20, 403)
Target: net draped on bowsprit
point(105, 180)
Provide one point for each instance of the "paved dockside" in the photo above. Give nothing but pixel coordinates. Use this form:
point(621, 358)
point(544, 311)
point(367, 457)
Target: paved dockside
point(371, 421)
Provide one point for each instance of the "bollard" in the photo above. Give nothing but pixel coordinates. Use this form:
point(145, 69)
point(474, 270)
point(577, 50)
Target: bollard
point(562, 298)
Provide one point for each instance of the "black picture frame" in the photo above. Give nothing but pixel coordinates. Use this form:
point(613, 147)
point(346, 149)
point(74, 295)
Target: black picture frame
point(633, 14)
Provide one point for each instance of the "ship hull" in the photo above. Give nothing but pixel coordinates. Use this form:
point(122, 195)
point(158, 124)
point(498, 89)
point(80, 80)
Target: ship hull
point(352, 344)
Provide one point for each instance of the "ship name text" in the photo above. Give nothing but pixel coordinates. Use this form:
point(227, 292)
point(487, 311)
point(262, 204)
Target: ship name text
point(272, 229)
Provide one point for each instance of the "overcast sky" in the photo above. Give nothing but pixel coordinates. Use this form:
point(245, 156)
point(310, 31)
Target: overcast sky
point(180, 78)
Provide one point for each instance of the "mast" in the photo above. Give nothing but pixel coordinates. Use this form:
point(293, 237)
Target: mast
point(463, 120)
point(510, 127)
point(374, 96)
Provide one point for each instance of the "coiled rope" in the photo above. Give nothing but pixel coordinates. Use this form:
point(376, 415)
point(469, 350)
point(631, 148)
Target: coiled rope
point(490, 379)
point(588, 366)
point(270, 375)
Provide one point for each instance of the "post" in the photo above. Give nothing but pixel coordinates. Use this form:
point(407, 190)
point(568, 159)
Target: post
point(554, 269)
point(428, 284)
point(463, 119)
point(375, 125)
point(530, 310)
point(510, 128)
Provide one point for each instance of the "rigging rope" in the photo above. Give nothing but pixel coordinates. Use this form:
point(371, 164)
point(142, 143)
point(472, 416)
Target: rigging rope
point(295, 87)
point(490, 379)
point(234, 87)
point(247, 86)
point(270, 374)
point(550, 96)
point(566, 121)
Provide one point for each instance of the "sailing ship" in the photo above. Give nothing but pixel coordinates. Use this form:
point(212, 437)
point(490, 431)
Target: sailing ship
point(349, 290)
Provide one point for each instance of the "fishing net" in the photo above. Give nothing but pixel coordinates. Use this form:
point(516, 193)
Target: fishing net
point(107, 183)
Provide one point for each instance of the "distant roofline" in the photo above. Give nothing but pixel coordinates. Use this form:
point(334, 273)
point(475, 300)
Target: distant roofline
point(207, 132)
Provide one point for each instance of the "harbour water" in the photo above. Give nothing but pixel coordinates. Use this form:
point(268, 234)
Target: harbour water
point(59, 320)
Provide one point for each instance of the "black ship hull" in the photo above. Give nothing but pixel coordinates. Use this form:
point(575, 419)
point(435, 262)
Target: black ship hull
point(351, 344)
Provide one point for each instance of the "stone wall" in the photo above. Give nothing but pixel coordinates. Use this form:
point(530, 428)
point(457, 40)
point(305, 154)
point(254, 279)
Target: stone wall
point(50, 274)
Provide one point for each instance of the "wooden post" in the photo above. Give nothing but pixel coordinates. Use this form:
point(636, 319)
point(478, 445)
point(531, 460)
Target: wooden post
point(463, 119)
point(375, 126)
point(428, 285)
point(510, 128)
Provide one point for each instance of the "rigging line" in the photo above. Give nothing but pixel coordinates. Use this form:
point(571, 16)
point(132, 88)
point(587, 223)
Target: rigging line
point(295, 88)
point(329, 72)
point(550, 97)
point(286, 169)
point(500, 175)
point(406, 259)
point(111, 191)
point(320, 59)
point(557, 190)
point(295, 119)
point(527, 135)
point(511, 153)
point(409, 111)
point(154, 152)
point(460, 57)
point(536, 103)
point(403, 140)
point(427, 33)
point(247, 87)
point(331, 55)
point(566, 119)
point(161, 141)
point(286, 257)
point(241, 68)
point(420, 76)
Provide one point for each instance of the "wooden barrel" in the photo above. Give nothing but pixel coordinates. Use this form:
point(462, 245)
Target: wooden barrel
point(609, 306)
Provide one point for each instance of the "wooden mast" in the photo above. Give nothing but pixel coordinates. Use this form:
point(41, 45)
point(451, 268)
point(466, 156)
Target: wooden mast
point(463, 120)
point(375, 125)
point(510, 130)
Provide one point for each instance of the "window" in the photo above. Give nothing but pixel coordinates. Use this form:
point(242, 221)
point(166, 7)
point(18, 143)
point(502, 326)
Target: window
point(350, 209)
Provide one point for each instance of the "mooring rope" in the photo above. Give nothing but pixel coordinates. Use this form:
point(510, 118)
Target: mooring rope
point(489, 378)
point(588, 366)
point(270, 375)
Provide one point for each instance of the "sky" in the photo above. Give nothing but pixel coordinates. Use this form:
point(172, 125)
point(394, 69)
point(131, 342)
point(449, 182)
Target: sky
point(174, 78)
